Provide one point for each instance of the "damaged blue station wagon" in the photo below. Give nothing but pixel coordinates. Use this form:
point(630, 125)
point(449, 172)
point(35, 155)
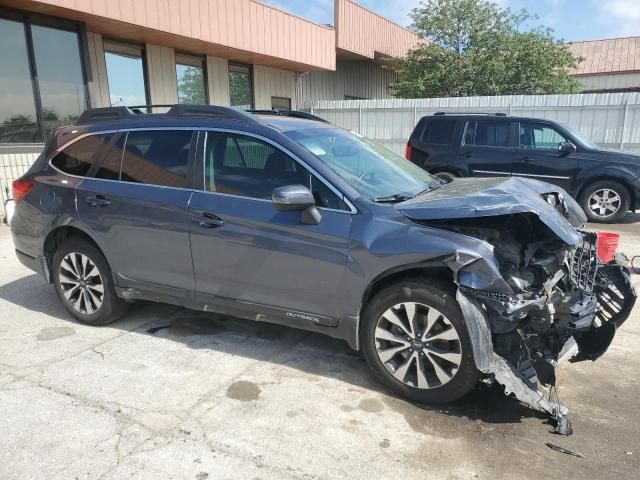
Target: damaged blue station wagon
point(301, 223)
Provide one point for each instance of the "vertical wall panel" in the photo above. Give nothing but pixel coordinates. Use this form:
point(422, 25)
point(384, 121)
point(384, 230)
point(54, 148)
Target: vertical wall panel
point(218, 81)
point(161, 68)
point(99, 86)
point(271, 82)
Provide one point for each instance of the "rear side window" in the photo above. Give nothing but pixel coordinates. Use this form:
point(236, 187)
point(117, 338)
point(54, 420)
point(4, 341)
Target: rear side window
point(439, 132)
point(488, 134)
point(159, 157)
point(79, 157)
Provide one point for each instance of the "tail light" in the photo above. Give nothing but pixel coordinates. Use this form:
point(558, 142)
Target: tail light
point(21, 188)
point(407, 152)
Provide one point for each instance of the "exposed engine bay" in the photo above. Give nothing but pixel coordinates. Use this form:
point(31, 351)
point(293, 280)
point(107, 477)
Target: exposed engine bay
point(561, 303)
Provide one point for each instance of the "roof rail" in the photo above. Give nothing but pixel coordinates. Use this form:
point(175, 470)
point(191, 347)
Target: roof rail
point(118, 113)
point(496, 114)
point(289, 113)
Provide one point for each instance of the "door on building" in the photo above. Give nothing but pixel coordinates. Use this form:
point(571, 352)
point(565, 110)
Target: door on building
point(280, 103)
point(245, 249)
point(537, 155)
point(487, 147)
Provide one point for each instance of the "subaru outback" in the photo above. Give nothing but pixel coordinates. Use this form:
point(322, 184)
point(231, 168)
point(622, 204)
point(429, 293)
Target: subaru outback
point(300, 223)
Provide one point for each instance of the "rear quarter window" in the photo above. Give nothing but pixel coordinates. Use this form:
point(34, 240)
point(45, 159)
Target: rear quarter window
point(439, 132)
point(78, 158)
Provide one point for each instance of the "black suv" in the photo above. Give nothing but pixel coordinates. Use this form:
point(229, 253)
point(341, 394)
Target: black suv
point(605, 183)
point(298, 222)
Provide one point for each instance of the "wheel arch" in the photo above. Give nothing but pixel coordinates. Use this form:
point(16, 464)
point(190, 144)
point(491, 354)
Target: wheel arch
point(61, 234)
point(612, 178)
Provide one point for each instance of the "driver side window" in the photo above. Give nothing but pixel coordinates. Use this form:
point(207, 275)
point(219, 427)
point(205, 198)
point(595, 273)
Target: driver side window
point(540, 137)
point(248, 167)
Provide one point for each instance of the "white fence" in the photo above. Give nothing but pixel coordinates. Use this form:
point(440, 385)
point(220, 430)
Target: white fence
point(610, 119)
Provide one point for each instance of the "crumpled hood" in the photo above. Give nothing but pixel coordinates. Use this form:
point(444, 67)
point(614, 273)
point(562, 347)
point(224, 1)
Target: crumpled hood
point(487, 197)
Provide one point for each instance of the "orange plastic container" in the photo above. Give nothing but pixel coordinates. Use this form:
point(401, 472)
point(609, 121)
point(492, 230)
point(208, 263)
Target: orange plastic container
point(607, 245)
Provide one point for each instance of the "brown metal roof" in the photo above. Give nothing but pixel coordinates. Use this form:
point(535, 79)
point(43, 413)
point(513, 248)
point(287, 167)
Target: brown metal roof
point(610, 55)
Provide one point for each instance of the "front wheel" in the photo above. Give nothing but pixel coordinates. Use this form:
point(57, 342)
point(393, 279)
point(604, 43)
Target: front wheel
point(605, 201)
point(83, 282)
point(415, 342)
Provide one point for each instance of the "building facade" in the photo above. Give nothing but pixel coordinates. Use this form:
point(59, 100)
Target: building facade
point(60, 57)
point(609, 65)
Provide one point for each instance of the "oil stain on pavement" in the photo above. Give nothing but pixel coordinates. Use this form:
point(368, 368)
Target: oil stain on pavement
point(243, 391)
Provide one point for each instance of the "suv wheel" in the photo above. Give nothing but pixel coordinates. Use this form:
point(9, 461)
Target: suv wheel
point(83, 282)
point(605, 201)
point(415, 342)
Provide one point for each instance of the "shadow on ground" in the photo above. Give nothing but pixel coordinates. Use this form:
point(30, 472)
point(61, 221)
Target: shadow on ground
point(308, 352)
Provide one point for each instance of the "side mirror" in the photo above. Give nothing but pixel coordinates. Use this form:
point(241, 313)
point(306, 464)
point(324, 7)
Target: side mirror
point(297, 198)
point(566, 148)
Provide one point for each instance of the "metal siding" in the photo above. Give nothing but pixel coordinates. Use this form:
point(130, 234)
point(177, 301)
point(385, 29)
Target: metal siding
point(354, 79)
point(391, 121)
point(161, 73)
point(271, 82)
point(617, 81)
point(99, 86)
point(218, 81)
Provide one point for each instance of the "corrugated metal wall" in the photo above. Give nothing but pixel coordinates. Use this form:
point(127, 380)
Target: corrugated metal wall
point(610, 82)
point(271, 82)
point(612, 120)
point(13, 165)
point(161, 75)
point(358, 79)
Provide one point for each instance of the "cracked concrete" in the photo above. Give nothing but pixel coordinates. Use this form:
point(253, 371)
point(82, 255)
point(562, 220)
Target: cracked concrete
point(169, 393)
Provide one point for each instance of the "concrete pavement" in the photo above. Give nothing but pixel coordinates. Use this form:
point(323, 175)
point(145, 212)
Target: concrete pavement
point(171, 393)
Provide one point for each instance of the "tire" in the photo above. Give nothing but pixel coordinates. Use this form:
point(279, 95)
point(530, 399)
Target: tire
point(78, 290)
point(608, 191)
point(447, 176)
point(429, 297)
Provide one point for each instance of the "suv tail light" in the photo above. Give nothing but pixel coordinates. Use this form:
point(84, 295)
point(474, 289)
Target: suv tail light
point(407, 152)
point(21, 188)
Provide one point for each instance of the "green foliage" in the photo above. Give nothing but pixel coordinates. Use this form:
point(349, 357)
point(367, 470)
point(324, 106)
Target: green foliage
point(240, 89)
point(477, 48)
point(191, 86)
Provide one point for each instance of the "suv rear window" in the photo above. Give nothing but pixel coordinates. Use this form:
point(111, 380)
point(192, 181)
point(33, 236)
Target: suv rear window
point(439, 132)
point(488, 134)
point(79, 157)
point(157, 157)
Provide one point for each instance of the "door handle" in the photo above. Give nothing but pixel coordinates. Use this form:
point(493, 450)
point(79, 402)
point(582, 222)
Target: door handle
point(97, 200)
point(208, 220)
point(465, 154)
point(526, 159)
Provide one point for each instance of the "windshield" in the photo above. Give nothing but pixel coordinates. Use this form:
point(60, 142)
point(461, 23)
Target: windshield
point(374, 171)
point(582, 139)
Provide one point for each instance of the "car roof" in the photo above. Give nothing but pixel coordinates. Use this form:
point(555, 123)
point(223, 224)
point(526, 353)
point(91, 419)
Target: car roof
point(489, 116)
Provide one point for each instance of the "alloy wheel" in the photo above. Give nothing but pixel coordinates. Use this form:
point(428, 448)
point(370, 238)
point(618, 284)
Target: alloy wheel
point(418, 345)
point(604, 202)
point(81, 283)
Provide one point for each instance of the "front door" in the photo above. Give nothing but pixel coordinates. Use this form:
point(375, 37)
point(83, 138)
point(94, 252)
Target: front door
point(487, 148)
point(537, 155)
point(247, 252)
point(136, 206)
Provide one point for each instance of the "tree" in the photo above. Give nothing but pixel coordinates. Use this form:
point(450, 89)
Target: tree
point(191, 86)
point(475, 47)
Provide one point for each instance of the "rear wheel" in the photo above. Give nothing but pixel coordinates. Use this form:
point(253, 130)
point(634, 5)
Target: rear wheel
point(415, 342)
point(447, 176)
point(605, 201)
point(83, 282)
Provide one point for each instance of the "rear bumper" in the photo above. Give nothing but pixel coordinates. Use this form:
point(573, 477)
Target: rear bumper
point(37, 264)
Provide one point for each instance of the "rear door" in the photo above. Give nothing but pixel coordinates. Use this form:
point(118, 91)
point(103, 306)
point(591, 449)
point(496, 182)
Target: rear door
point(136, 206)
point(435, 145)
point(247, 252)
point(487, 147)
point(537, 155)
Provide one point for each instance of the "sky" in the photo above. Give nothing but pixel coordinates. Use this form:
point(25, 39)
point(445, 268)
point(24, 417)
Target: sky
point(571, 20)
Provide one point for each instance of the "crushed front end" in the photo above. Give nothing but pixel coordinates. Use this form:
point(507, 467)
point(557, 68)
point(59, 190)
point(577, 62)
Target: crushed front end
point(560, 302)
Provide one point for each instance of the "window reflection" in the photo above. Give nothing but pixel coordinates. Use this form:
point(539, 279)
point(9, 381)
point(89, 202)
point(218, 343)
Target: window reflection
point(125, 74)
point(190, 79)
point(59, 67)
point(240, 90)
point(18, 122)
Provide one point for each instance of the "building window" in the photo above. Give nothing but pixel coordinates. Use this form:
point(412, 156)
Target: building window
point(280, 103)
point(125, 74)
point(190, 74)
point(42, 84)
point(240, 86)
